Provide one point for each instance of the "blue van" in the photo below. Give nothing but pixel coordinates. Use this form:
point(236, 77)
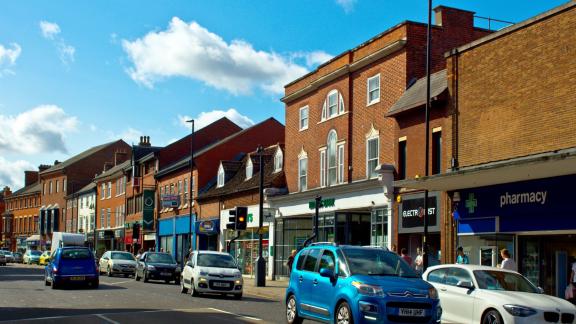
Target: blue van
point(352, 284)
point(71, 265)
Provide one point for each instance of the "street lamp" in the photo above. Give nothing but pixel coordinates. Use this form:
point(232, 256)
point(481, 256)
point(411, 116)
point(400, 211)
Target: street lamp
point(425, 257)
point(191, 180)
point(260, 262)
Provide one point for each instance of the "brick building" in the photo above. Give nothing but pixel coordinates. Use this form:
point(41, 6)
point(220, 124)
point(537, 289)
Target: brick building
point(81, 206)
point(240, 187)
point(65, 178)
point(21, 215)
point(340, 143)
point(513, 147)
point(174, 226)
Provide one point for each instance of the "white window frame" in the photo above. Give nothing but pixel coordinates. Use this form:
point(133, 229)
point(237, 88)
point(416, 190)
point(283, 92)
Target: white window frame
point(340, 163)
point(368, 91)
point(369, 174)
point(301, 119)
point(50, 186)
point(249, 169)
point(323, 167)
point(339, 105)
point(302, 175)
point(109, 189)
point(334, 167)
point(278, 160)
point(103, 189)
point(221, 176)
point(64, 185)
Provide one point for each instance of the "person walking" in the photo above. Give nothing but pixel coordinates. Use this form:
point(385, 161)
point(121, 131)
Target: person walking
point(507, 262)
point(404, 255)
point(461, 257)
point(290, 261)
point(418, 261)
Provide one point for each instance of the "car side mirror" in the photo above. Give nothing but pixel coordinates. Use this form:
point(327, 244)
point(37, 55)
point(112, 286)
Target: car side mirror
point(328, 273)
point(465, 284)
point(540, 290)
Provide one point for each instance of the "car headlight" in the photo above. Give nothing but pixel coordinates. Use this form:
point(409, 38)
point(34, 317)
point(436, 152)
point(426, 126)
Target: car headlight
point(432, 293)
point(368, 290)
point(520, 311)
point(150, 268)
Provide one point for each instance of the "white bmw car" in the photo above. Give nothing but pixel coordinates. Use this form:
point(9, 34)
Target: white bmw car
point(487, 295)
point(212, 272)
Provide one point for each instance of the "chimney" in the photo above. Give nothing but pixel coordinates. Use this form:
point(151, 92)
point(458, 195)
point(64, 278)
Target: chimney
point(452, 17)
point(56, 162)
point(30, 177)
point(144, 141)
point(120, 156)
point(43, 167)
point(6, 192)
point(107, 166)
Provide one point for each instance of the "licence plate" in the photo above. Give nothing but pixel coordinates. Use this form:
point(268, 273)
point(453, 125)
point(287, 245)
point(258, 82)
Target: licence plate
point(221, 284)
point(77, 278)
point(166, 274)
point(411, 312)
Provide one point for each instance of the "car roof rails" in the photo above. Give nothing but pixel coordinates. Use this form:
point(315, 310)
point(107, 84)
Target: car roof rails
point(324, 243)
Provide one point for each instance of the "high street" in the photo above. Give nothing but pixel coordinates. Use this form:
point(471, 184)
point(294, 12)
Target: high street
point(25, 299)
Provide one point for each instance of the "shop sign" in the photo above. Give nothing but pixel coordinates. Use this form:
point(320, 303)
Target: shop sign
point(148, 210)
point(324, 203)
point(207, 227)
point(412, 213)
point(170, 201)
point(118, 233)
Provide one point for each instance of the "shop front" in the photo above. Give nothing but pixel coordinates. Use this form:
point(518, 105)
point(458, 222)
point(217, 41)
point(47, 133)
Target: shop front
point(411, 224)
point(207, 232)
point(534, 220)
point(21, 244)
point(174, 236)
point(32, 242)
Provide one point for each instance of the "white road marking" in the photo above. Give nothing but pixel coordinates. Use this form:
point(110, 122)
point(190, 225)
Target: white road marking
point(230, 313)
point(83, 315)
point(106, 319)
point(118, 282)
point(21, 275)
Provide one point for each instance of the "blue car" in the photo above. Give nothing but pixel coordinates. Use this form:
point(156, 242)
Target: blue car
point(351, 284)
point(71, 265)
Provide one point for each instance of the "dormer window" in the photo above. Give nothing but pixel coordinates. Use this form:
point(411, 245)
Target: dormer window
point(278, 160)
point(220, 176)
point(249, 168)
point(333, 105)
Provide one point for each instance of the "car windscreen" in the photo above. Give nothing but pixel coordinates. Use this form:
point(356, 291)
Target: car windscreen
point(160, 258)
point(502, 280)
point(376, 262)
point(76, 254)
point(122, 256)
point(216, 260)
point(35, 253)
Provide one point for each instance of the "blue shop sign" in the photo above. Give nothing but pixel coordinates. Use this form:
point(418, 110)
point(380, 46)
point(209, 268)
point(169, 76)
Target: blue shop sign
point(537, 205)
point(208, 227)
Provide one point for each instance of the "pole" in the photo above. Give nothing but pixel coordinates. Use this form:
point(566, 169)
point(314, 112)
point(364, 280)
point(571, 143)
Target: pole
point(191, 180)
point(260, 262)
point(427, 146)
point(318, 202)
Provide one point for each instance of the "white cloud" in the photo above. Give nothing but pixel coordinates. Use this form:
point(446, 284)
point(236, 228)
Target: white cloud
point(52, 31)
point(314, 58)
point(49, 29)
point(39, 130)
point(130, 136)
point(191, 51)
point(348, 5)
point(205, 118)
point(8, 57)
point(12, 173)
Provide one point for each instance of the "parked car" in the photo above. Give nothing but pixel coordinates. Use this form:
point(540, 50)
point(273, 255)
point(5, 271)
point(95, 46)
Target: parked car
point(2, 258)
point(8, 257)
point(32, 256)
point(117, 262)
point(44, 258)
point(212, 272)
point(18, 257)
point(71, 265)
point(157, 266)
point(352, 284)
point(480, 294)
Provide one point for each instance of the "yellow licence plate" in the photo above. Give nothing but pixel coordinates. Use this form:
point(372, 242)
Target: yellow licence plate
point(77, 278)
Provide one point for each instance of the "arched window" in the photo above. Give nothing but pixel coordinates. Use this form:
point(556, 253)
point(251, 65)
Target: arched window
point(220, 176)
point(249, 168)
point(332, 158)
point(333, 105)
point(278, 160)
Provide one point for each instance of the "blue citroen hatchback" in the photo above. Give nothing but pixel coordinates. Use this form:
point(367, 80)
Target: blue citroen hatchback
point(71, 265)
point(350, 284)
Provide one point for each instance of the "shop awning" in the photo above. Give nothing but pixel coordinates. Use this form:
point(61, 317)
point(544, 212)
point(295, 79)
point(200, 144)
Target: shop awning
point(544, 165)
point(33, 238)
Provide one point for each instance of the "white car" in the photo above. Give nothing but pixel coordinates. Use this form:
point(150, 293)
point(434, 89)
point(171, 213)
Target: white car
point(212, 272)
point(117, 262)
point(487, 295)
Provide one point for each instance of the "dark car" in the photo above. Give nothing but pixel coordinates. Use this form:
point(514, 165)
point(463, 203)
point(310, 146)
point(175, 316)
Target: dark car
point(71, 265)
point(157, 266)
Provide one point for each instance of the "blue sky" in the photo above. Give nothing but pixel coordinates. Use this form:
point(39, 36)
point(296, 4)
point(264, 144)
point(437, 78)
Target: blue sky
point(74, 74)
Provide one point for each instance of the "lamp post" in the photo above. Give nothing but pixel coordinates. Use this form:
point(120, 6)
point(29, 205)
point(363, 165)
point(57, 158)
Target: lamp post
point(191, 180)
point(260, 262)
point(425, 256)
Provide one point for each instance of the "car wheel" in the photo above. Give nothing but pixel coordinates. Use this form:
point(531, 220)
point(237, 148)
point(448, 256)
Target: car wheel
point(95, 284)
point(136, 277)
point(492, 317)
point(54, 285)
point(109, 271)
point(193, 291)
point(343, 314)
point(46, 282)
point(145, 275)
point(126, 275)
point(292, 311)
point(238, 296)
point(183, 289)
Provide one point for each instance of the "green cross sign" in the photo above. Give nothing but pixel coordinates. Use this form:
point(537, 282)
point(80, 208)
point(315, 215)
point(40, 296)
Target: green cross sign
point(250, 217)
point(471, 203)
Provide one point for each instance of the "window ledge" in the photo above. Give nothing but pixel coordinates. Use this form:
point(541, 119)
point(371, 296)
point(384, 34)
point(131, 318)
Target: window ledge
point(333, 117)
point(373, 102)
point(303, 129)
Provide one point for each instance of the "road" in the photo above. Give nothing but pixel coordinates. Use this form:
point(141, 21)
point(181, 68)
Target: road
point(25, 299)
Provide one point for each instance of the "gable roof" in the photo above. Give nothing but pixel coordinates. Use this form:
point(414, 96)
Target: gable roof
point(27, 190)
point(116, 169)
point(79, 157)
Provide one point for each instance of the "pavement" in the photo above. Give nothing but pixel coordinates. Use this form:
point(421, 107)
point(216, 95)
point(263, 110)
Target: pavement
point(274, 289)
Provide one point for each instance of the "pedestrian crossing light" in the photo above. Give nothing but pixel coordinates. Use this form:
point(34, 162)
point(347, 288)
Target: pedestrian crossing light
point(241, 218)
point(231, 220)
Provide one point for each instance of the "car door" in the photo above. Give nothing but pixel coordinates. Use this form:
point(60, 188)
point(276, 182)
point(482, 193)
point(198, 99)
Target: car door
point(460, 295)
point(305, 279)
point(103, 262)
point(438, 279)
point(188, 271)
point(324, 288)
point(141, 265)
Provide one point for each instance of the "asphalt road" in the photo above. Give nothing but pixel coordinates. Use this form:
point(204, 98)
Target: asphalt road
point(25, 299)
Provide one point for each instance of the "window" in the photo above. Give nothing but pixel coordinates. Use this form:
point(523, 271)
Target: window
point(373, 94)
point(402, 152)
point(249, 168)
point(185, 191)
point(109, 213)
point(436, 152)
point(303, 174)
point(103, 191)
point(57, 186)
point(102, 212)
point(50, 187)
point(372, 153)
point(311, 259)
point(341, 163)
point(323, 168)
point(44, 189)
point(278, 159)
point(64, 185)
point(171, 188)
point(333, 105)
point(438, 276)
point(456, 275)
point(301, 258)
point(220, 176)
point(332, 158)
point(304, 118)
point(327, 261)
point(179, 186)
point(109, 189)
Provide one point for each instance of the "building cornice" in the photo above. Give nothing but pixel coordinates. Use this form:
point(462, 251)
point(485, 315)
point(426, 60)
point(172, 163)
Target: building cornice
point(324, 191)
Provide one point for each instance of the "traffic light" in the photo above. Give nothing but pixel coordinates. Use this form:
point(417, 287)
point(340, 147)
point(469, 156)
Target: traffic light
point(231, 220)
point(241, 218)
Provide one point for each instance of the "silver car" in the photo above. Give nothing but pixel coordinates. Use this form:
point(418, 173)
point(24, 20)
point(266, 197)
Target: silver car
point(117, 262)
point(18, 258)
point(9, 257)
point(2, 258)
